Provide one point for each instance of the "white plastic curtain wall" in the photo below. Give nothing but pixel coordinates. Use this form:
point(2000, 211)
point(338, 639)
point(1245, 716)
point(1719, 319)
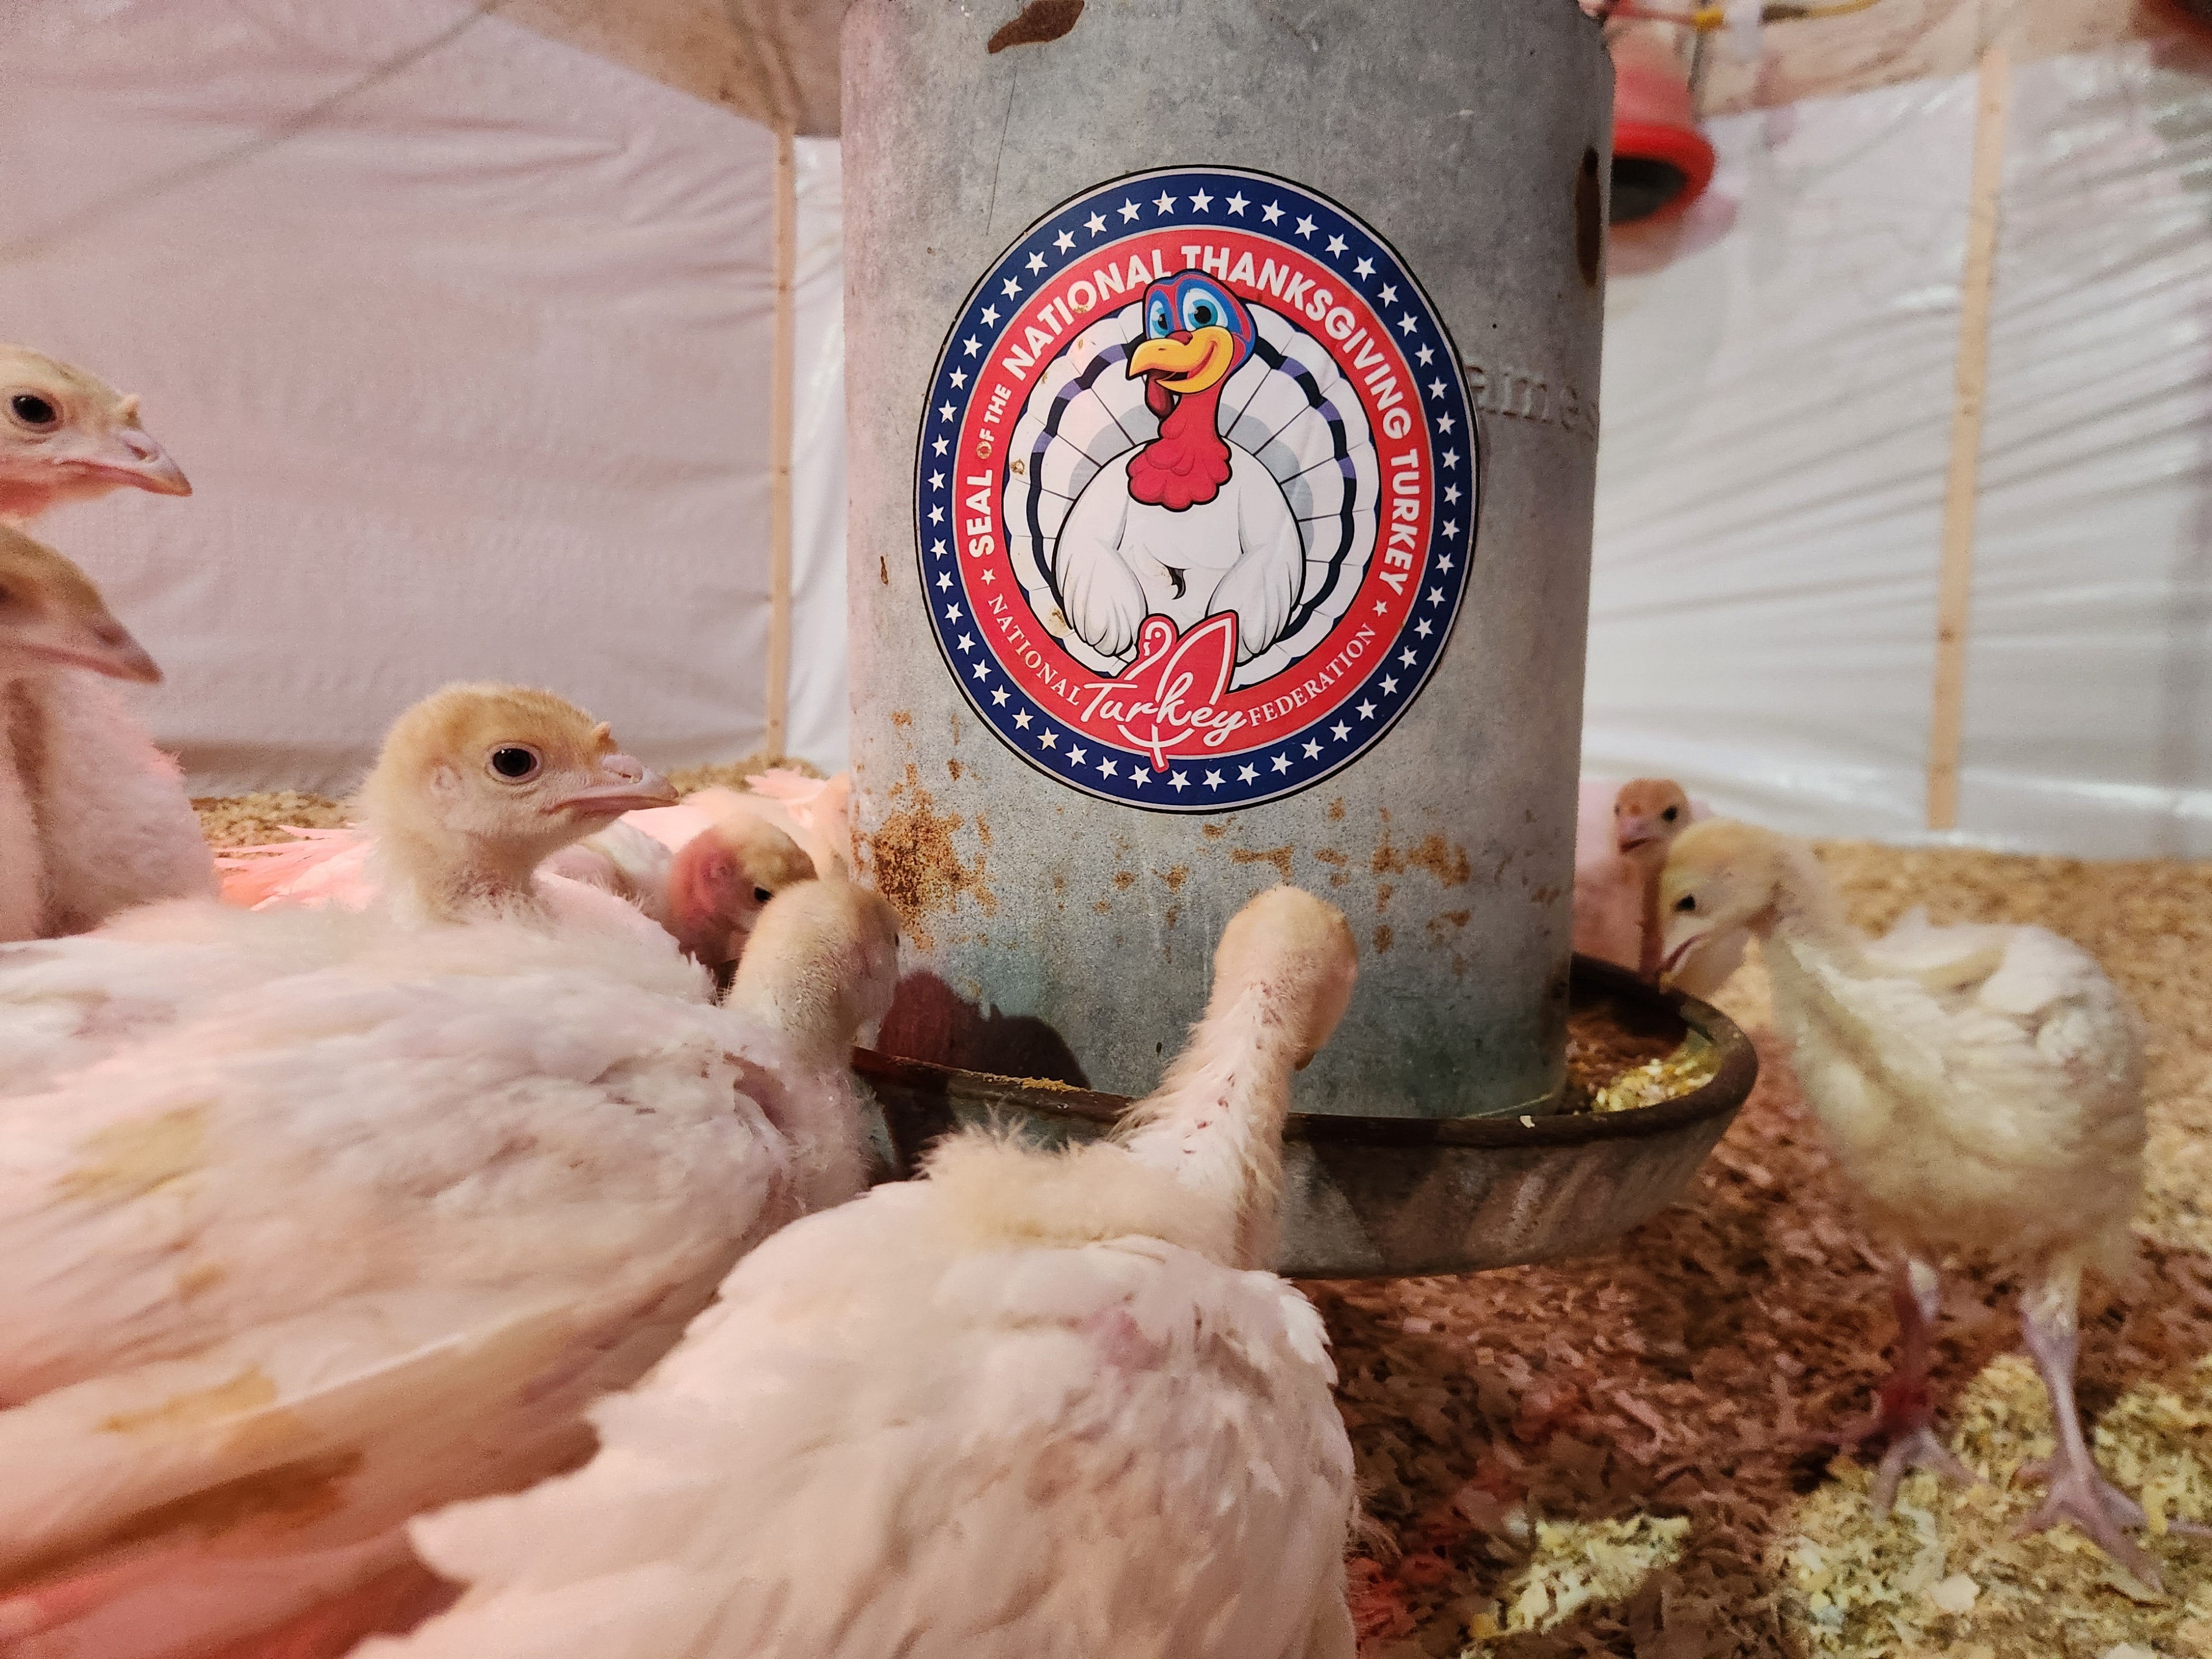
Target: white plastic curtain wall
point(1777, 402)
point(465, 337)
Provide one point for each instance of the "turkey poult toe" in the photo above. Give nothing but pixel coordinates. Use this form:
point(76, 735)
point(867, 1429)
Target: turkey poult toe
point(1032, 1403)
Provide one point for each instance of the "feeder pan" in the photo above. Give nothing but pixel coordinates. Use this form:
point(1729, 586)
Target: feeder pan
point(1379, 1197)
point(1661, 161)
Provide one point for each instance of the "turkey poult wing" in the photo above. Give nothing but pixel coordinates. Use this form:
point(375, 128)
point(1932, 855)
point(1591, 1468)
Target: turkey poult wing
point(2006, 1056)
point(379, 1242)
point(882, 1439)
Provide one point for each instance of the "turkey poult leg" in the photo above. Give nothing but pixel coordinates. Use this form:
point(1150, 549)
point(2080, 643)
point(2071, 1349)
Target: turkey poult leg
point(2077, 1488)
point(1904, 1415)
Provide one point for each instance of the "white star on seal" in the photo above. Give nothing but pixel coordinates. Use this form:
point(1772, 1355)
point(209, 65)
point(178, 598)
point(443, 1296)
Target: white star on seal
point(1446, 424)
point(1389, 296)
point(1180, 781)
point(960, 377)
point(983, 670)
point(1367, 711)
point(1213, 780)
point(999, 698)
point(1365, 268)
point(940, 446)
point(1389, 686)
point(1049, 741)
point(943, 581)
point(1247, 773)
point(1036, 262)
point(1340, 731)
point(1076, 754)
point(1270, 213)
point(1137, 778)
point(1435, 388)
point(937, 515)
point(990, 314)
point(1336, 244)
point(1165, 203)
point(1422, 628)
point(1313, 749)
point(1451, 458)
point(937, 481)
point(1237, 205)
point(945, 412)
point(971, 347)
point(1095, 223)
point(952, 613)
point(1425, 354)
point(1282, 763)
point(1408, 657)
point(937, 548)
point(1106, 767)
point(1444, 564)
point(1305, 226)
point(966, 642)
point(1201, 202)
point(1436, 594)
point(1406, 325)
point(1012, 287)
point(1451, 495)
point(1451, 528)
point(1129, 211)
point(1021, 718)
point(1063, 241)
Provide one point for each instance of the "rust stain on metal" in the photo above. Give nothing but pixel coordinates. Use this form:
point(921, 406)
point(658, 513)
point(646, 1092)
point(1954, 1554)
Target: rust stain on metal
point(1213, 831)
point(1102, 906)
point(1175, 914)
point(901, 719)
point(917, 869)
point(1336, 809)
point(884, 571)
point(1331, 855)
point(1446, 862)
point(1382, 891)
point(1384, 937)
point(953, 767)
point(1277, 856)
point(982, 830)
point(1339, 879)
point(1174, 877)
point(1125, 879)
point(1450, 918)
point(1036, 23)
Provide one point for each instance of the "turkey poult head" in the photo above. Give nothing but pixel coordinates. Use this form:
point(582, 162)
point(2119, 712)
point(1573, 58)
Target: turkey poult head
point(822, 968)
point(52, 617)
point(66, 436)
point(478, 784)
point(1196, 335)
point(719, 879)
point(1723, 878)
point(1299, 948)
point(1649, 812)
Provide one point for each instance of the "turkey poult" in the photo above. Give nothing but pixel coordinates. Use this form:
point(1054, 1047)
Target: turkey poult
point(1617, 874)
point(1982, 1088)
point(357, 1244)
point(66, 436)
point(93, 818)
point(474, 787)
point(1035, 1403)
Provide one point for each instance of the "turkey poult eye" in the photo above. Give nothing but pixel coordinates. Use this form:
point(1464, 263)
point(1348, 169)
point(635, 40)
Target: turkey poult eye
point(761, 895)
point(1687, 902)
point(1669, 813)
point(514, 763)
point(34, 410)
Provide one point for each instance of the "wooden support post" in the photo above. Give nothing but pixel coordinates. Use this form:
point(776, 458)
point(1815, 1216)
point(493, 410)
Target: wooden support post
point(783, 369)
point(1961, 483)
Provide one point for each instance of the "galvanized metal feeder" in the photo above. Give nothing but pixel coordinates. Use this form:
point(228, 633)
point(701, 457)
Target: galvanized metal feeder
point(1223, 430)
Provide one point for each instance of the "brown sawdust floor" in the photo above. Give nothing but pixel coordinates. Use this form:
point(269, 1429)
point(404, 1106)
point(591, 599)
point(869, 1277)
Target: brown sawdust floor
point(1610, 1456)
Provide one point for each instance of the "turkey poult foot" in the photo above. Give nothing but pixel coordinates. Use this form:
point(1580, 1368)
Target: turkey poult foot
point(1904, 1416)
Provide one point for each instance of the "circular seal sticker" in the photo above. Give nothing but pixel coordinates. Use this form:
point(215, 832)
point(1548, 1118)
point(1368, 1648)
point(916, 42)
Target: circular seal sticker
point(1196, 494)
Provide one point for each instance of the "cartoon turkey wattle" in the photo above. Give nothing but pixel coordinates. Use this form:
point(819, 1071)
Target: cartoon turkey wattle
point(1188, 525)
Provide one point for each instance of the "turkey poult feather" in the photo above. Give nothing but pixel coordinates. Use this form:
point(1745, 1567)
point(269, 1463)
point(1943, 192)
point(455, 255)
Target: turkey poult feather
point(93, 818)
point(1036, 1405)
point(355, 1245)
point(1982, 1088)
point(464, 839)
point(66, 436)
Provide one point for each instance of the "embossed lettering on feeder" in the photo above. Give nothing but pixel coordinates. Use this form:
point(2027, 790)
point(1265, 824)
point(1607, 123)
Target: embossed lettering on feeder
point(1196, 493)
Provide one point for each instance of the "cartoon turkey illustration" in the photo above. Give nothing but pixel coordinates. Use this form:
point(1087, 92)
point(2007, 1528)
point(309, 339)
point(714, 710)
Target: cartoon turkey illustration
point(1192, 456)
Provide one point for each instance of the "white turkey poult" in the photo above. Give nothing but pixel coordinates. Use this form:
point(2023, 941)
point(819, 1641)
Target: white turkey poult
point(93, 818)
point(1194, 456)
point(1981, 1086)
point(1035, 1403)
point(699, 869)
point(466, 835)
point(368, 1239)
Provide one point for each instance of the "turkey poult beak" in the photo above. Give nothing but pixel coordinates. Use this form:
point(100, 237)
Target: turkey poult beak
point(129, 455)
point(1200, 359)
point(101, 644)
point(629, 787)
point(1679, 943)
point(1635, 832)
